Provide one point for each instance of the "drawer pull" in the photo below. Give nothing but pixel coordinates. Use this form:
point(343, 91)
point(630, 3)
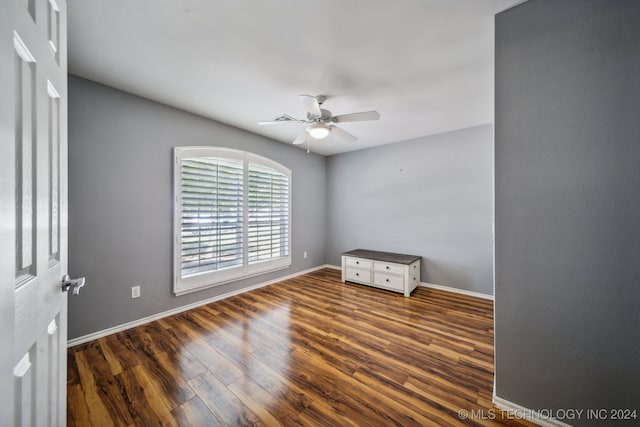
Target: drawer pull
point(387, 280)
point(357, 262)
point(387, 267)
point(357, 274)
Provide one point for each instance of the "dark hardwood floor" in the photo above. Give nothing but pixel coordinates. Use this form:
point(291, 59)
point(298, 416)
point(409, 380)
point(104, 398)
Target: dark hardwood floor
point(309, 351)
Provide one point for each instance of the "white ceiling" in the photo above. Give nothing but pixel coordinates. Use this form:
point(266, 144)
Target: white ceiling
point(425, 65)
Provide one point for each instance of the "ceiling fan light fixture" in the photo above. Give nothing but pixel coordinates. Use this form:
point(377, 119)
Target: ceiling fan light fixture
point(319, 131)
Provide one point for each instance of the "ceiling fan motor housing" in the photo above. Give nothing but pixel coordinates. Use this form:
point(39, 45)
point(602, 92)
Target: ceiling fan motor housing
point(325, 117)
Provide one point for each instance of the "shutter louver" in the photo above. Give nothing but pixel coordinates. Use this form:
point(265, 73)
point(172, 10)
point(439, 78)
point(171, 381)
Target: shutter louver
point(211, 214)
point(268, 214)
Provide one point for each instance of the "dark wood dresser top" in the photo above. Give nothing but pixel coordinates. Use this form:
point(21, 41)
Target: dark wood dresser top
point(383, 256)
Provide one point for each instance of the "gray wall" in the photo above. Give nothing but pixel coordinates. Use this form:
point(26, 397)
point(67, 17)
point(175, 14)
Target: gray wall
point(120, 210)
point(567, 174)
point(431, 197)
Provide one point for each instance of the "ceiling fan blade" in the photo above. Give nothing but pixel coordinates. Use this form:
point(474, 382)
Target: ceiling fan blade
point(283, 118)
point(356, 117)
point(342, 134)
point(277, 122)
point(301, 138)
point(311, 104)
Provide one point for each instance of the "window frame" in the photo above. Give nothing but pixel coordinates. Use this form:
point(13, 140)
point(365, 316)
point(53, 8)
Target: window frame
point(204, 280)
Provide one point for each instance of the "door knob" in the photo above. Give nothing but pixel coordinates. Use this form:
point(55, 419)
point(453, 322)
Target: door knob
point(76, 284)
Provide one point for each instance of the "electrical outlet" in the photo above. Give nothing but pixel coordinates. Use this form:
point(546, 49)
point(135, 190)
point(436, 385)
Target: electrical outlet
point(135, 291)
point(304, 254)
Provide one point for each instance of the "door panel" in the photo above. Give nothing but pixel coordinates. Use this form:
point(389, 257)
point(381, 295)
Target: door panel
point(33, 197)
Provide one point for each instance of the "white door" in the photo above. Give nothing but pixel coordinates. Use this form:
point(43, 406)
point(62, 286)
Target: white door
point(33, 212)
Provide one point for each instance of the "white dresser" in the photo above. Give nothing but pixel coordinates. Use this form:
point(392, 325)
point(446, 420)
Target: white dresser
point(385, 270)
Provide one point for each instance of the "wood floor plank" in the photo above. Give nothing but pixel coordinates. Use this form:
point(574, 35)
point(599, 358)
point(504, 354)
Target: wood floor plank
point(268, 409)
point(77, 411)
point(275, 377)
point(97, 412)
point(222, 403)
point(112, 360)
point(423, 404)
point(207, 355)
point(295, 402)
point(308, 351)
point(136, 401)
point(195, 413)
point(73, 377)
point(159, 403)
point(164, 375)
point(121, 349)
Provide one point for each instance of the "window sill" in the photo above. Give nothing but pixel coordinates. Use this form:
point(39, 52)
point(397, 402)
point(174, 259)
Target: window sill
point(235, 278)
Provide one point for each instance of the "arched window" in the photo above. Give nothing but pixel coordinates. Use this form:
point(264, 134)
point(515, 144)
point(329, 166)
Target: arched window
point(232, 216)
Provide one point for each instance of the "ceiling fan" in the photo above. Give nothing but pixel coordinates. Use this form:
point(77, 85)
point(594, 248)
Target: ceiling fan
point(319, 121)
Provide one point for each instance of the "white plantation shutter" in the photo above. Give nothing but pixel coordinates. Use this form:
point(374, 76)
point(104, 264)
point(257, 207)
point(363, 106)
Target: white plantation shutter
point(268, 213)
point(231, 216)
point(212, 202)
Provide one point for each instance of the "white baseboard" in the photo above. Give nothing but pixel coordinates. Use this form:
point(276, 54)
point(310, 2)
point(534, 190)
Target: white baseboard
point(513, 410)
point(457, 291)
point(434, 286)
point(103, 333)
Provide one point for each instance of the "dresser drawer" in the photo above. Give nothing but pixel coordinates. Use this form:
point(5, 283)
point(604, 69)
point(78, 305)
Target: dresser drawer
point(388, 267)
point(357, 262)
point(413, 281)
point(390, 281)
point(358, 275)
point(414, 272)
